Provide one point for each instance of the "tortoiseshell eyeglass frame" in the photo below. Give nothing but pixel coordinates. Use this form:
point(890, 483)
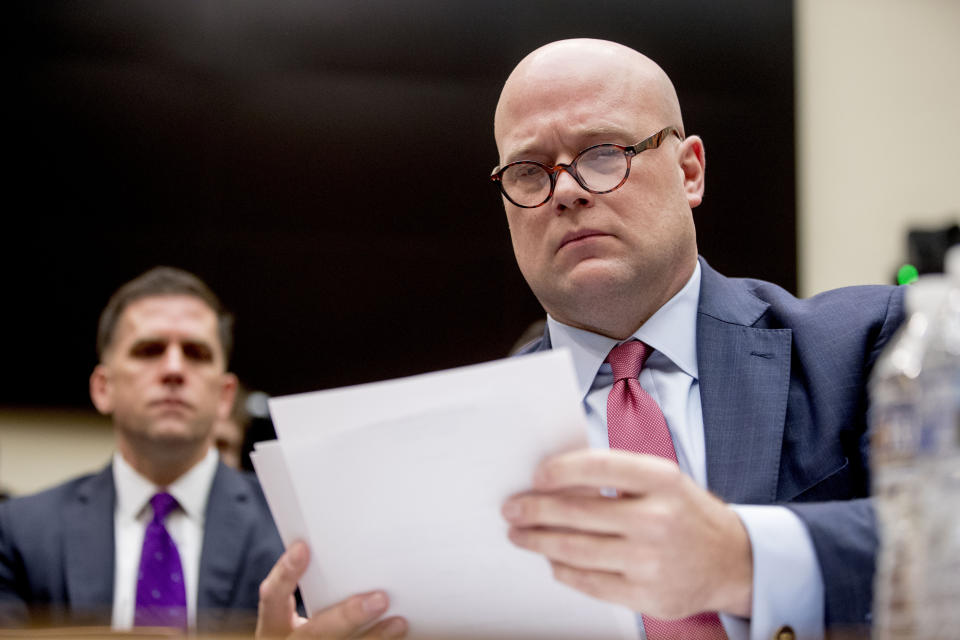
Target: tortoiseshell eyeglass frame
point(629, 152)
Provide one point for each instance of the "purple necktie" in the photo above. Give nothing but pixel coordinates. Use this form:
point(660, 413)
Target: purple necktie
point(161, 595)
point(636, 423)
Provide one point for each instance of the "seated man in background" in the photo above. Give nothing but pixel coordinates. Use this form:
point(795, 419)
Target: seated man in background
point(165, 535)
point(229, 432)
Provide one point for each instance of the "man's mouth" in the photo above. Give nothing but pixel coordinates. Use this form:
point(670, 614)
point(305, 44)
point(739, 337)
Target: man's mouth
point(171, 403)
point(579, 235)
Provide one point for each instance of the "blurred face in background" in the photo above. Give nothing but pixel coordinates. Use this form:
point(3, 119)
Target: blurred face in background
point(163, 378)
point(228, 439)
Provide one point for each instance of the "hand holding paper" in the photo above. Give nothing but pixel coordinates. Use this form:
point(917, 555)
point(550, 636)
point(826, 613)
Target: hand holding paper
point(277, 616)
point(665, 546)
point(399, 485)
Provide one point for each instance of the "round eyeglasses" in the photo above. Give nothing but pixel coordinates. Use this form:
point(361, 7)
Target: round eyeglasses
point(601, 168)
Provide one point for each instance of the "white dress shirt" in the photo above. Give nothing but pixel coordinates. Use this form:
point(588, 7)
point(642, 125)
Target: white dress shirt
point(787, 583)
point(185, 525)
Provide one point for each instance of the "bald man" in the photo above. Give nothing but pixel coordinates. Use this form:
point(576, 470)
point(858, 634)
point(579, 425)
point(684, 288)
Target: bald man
point(740, 505)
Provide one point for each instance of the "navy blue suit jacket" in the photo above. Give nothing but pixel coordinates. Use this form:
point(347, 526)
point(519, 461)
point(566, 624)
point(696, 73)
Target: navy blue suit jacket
point(783, 391)
point(57, 554)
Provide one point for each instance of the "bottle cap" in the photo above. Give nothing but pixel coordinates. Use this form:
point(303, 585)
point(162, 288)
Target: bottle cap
point(907, 274)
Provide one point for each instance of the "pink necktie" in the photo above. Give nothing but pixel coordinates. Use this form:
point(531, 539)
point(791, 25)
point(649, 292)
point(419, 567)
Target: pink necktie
point(635, 423)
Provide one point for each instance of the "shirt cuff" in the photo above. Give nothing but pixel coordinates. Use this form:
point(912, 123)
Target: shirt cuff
point(787, 583)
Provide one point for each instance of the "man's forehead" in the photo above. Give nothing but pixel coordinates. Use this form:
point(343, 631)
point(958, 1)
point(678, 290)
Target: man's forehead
point(582, 107)
point(569, 136)
point(548, 118)
point(168, 311)
point(563, 91)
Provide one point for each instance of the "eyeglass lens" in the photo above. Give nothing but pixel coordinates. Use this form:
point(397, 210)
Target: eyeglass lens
point(600, 168)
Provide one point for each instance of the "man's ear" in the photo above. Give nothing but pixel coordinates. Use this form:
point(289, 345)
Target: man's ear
point(101, 389)
point(228, 392)
point(693, 163)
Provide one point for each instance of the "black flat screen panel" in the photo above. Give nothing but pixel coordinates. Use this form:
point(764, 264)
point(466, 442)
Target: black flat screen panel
point(286, 152)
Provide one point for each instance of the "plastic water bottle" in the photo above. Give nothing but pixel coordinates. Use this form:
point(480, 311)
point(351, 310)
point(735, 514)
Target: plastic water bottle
point(902, 457)
point(940, 499)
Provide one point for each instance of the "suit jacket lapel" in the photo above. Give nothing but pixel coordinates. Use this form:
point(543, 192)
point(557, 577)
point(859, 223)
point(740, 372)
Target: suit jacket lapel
point(225, 536)
point(744, 384)
point(89, 548)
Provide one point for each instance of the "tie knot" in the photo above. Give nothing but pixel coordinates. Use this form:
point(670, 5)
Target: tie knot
point(627, 359)
point(162, 503)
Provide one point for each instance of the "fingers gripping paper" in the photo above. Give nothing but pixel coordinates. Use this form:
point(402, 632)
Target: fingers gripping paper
point(398, 486)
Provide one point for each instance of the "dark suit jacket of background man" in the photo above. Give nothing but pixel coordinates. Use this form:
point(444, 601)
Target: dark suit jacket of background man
point(783, 391)
point(57, 554)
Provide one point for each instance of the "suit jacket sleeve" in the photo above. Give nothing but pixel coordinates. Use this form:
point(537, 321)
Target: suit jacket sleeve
point(13, 607)
point(844, 532)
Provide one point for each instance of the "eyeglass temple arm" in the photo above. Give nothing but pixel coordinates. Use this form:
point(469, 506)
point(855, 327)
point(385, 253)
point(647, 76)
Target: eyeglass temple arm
point(655, 140)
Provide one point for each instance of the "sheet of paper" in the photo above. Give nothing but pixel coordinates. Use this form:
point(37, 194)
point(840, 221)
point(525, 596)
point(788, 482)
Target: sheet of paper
point(542, 378)
point(398, 485)
point(271, 468)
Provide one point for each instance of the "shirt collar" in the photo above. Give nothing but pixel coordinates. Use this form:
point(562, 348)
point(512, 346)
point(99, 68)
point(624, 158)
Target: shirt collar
point(191, 490)
point(672, 331)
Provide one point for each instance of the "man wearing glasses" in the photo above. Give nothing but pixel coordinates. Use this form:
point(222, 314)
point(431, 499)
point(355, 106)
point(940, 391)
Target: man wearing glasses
point(725, 491)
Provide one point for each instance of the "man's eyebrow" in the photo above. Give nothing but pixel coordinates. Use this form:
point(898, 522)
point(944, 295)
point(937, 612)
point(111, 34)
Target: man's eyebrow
point(595, 134)
point(143, 343)
point(198, 344)
point(149, 340)
point(604, 130)
point(189, 343)
point(520, 153)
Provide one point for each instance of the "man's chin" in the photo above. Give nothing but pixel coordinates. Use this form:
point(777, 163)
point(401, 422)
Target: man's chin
point(590, 278)
point(174, 433)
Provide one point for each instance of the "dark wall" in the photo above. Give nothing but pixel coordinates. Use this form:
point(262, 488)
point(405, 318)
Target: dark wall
point(323, 165)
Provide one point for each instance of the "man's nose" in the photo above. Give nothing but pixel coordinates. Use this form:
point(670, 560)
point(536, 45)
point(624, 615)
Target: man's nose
point(567, 192)
point(172, 364)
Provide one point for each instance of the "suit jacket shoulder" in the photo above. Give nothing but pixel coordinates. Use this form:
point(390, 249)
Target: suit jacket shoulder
point(56, 554)
point(826, 346)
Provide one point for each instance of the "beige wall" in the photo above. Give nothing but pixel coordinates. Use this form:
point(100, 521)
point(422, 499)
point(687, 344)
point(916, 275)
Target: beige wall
point(41, 447)
point(878, 107)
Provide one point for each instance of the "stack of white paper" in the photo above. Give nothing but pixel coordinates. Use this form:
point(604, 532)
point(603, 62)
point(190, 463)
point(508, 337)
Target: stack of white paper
point(398, 486)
